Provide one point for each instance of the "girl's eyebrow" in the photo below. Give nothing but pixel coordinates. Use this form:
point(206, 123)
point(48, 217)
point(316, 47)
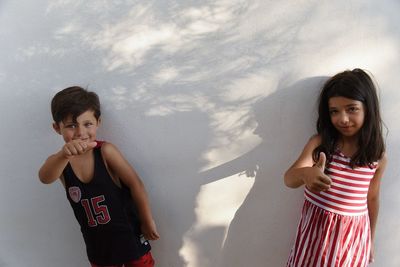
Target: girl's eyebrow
point(352, 105)
point(348, 105)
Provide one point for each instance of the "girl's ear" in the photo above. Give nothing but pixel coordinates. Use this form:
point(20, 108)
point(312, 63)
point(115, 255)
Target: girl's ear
point(56, 127)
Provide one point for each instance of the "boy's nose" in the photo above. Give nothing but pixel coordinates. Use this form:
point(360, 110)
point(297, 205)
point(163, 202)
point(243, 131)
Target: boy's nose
point(79, 131)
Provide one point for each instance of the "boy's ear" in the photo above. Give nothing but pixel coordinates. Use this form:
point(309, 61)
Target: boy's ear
point(99, 121)
point(56, 127)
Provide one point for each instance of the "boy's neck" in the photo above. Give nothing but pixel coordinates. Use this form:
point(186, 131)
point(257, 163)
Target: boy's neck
point(83, 166)
point(82, 158)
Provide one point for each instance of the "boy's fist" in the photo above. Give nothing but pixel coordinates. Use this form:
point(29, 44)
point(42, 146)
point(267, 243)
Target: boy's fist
point(149, 231)
point(77, 147)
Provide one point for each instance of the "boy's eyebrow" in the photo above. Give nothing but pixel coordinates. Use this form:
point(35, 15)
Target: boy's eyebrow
point(88, 120)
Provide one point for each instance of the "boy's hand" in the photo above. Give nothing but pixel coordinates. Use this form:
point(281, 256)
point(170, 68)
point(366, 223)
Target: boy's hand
point(149, 231)
point(77, 147)
point(316, 180)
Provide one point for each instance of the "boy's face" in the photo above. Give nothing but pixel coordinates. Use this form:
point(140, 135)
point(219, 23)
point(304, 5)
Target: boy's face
point(83, 129)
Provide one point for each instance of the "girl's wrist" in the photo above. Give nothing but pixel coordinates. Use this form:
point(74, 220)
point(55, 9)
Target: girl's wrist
point(306, 173)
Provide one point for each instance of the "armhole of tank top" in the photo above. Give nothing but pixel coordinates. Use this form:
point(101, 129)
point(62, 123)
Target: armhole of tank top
point(62, 180)
point(115, 180)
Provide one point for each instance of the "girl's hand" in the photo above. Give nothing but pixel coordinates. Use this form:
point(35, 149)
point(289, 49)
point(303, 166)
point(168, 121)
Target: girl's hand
point(149, 231)
point(316, 180)
point(76, 147)
point(372, 253)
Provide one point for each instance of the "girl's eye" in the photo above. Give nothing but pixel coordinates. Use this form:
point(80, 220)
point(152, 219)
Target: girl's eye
point(353, 109)
point(332, 112)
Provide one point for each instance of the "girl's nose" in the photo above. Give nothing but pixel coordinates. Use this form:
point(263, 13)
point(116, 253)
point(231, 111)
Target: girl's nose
point(344, 118)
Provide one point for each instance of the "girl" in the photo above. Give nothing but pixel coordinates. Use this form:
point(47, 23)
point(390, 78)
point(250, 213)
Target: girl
point(341, 168)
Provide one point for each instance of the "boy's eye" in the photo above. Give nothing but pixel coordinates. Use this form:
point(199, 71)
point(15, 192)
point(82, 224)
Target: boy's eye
point(88, 124)
point(70, 126)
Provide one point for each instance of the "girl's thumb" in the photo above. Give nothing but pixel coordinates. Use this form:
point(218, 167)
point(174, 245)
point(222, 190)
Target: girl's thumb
point(321, 161)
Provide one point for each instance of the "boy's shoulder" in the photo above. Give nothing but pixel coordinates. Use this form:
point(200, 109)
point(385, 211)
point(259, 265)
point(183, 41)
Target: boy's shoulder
point(105, 146)
point(108, 150)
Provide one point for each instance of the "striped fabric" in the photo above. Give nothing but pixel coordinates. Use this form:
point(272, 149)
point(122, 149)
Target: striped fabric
point(324, 238)
point(349, 188)
point(334, 228)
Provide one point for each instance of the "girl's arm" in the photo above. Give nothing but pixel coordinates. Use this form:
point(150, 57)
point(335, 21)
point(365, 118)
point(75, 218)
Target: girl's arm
point(373, 196)
point(304, 171)
point(120, 167)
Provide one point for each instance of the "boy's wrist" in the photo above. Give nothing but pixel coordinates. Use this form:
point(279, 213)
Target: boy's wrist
point(146, 219)
point(61, 155)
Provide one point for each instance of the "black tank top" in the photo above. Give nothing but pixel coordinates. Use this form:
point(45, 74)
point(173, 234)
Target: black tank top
point(106, 214)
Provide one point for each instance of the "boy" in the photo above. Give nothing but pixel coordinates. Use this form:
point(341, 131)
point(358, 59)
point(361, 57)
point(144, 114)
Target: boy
point(100, 185)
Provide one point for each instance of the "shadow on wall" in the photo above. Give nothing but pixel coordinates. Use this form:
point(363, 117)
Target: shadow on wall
point(263, 227)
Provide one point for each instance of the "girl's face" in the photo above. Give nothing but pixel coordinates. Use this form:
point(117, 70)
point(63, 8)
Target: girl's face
point(347, 115)
point(83, 129)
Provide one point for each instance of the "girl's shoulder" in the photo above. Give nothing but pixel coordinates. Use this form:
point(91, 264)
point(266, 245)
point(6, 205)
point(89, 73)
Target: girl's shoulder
point(382, 161)
point(314, 141)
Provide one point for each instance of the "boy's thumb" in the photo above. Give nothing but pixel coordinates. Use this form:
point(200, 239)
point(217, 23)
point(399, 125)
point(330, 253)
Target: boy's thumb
point(321, 161)
point(92, 144)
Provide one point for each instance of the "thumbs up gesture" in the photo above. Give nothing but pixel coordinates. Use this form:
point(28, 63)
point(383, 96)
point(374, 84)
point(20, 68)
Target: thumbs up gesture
point(321, 162)
point(316, 179)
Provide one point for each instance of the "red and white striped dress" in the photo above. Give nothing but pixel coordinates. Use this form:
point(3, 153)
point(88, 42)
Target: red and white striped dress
point(334, 228)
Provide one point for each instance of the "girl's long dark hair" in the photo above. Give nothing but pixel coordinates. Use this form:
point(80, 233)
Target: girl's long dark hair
point(356, 85)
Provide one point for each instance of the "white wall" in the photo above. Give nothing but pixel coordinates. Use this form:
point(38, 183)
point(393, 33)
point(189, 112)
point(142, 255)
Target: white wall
point(209, 100)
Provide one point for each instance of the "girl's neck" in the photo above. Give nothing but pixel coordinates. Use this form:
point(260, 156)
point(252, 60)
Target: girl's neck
point(348, 145)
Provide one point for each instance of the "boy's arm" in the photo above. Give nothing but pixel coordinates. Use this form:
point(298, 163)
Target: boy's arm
point(304, 171)
point(119, 166)
point(53, 167)
point(373, 198)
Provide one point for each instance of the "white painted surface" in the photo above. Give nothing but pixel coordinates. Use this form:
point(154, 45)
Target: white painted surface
point(209, 100)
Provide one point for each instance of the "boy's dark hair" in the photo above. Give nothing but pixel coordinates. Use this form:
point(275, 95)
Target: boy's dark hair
point(74, 101)
point(357, 85)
